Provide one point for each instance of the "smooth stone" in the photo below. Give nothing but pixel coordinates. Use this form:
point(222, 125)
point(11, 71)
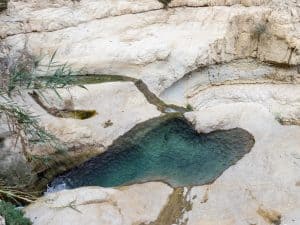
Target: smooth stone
point(135, 204)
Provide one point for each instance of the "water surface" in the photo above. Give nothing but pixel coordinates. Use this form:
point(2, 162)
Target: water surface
point(168, 150)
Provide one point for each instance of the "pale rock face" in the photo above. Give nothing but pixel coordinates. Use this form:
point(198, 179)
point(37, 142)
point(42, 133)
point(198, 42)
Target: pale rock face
point(119, 107)
point(150, 49)
point(224, 118)
point(142, 40)
point(2, 221)
point(248, 72)
point(282, 100)
point(135, 204)
point(45, 15)
point(260, 187)
point(121, 103)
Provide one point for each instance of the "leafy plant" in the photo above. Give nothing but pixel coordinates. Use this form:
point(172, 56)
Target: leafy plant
point(25, 126)
point(13, 194)
point(189, 107)
point(22, 124)
point(165, 2)
point(12, 215)
point(3, 5)
point(107, 123)
point(258, 30)
point(39, 76)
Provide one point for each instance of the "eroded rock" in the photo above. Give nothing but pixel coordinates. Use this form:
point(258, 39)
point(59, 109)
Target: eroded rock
point(282, 100)
point(260, 188)
point(121, 103)
point(135, 204)
point(145, 41)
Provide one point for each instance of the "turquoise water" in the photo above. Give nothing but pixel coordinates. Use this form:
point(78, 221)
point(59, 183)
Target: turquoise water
point(170, 151)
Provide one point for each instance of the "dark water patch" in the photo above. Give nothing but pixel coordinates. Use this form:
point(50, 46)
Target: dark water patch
point(168, 150)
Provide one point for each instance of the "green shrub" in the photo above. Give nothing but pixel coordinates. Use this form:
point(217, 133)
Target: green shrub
point(3, 5)
point(189, 107)
point(165, 2)
point(12, 215)
point(31, 74)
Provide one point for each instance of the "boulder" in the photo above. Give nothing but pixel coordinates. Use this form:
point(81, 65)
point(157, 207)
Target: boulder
point(135, 204)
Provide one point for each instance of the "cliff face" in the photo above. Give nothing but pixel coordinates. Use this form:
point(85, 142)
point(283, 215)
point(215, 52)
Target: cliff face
point(143, 40)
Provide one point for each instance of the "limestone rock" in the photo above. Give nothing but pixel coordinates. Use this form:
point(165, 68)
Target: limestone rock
point(2, 221)
point(143, 40)
point(119, 107)
point(121, 103)
point(281, 100)
point(262, 187)
point(247, 72)
point(135, 204)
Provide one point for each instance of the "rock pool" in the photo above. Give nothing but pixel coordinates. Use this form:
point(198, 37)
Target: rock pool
point(168, 150)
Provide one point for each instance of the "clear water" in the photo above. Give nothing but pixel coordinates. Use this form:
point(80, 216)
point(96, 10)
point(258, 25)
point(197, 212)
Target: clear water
point(170, 151)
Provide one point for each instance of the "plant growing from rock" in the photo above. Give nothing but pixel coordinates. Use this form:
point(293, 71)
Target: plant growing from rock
point(22, 125)
point(12, 215)
point(165, 3)
point(3, 4)
point(258, 30)
point(20, 121)
point(189, 107)
point(107, 123)
point(13, 194)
